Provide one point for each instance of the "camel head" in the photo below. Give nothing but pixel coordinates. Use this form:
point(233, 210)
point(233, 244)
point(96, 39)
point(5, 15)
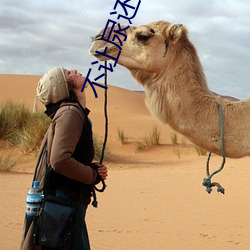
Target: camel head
point(147, 50)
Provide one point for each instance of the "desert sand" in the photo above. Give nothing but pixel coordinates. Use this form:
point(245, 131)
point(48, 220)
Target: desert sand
point(154, 199)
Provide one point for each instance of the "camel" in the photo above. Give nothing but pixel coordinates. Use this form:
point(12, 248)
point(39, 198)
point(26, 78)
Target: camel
point(162, 59)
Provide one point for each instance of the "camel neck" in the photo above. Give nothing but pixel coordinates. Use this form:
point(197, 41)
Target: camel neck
point(191, 111)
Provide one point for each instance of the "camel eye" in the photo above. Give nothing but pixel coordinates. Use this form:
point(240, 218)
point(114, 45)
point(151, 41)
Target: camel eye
point(144, 35)
point(143, 38)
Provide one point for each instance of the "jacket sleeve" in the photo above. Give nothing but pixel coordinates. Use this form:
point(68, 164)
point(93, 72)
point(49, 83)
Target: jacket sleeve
point(67, 131)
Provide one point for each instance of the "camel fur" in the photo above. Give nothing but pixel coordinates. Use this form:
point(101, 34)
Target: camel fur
point(161, 57)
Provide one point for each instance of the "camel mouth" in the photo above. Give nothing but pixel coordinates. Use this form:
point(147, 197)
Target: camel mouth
point(101, 47)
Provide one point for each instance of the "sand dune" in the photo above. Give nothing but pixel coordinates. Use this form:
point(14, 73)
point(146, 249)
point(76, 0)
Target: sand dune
point(154, 199)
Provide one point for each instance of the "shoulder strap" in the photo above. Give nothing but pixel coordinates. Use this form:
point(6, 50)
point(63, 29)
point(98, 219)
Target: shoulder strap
point(42, 159)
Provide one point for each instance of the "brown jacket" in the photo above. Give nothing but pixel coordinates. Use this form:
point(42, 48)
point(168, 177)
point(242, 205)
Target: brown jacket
point(70, 149)
point(68, 127)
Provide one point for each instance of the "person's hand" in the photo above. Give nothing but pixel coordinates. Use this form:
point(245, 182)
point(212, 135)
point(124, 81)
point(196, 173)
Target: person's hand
point(101, 170)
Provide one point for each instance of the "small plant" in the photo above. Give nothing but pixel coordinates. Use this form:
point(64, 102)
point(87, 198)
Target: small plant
point(143, 145)
point(174, 139)
point(7, 162)
point(177, 152)
point(200, 151)
point(121, 136)
point(155, 136)
point(147, 142)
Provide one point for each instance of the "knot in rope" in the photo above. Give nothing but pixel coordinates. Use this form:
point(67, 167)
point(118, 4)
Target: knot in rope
point(208, 184)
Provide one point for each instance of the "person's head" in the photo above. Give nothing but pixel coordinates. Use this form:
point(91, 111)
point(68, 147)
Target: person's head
point(75, 80)
point(59, 84)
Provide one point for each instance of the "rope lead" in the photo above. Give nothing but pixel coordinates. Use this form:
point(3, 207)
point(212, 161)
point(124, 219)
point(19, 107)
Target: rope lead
point(207, 181)
point(94, 202)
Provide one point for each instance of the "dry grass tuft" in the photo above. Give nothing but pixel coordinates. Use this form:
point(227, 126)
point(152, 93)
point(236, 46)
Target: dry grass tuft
point(121, 136)
point(174, 139)
point(147, 142)
point(7, 162)
point(200, 151)
point(21, 127)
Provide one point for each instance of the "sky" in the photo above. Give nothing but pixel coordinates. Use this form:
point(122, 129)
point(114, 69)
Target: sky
point(40, 34)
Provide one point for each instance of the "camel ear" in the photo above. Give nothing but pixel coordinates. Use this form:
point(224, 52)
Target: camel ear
point(175, 32)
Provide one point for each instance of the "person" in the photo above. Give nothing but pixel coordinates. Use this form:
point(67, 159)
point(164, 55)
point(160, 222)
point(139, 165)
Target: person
point(70, 146)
